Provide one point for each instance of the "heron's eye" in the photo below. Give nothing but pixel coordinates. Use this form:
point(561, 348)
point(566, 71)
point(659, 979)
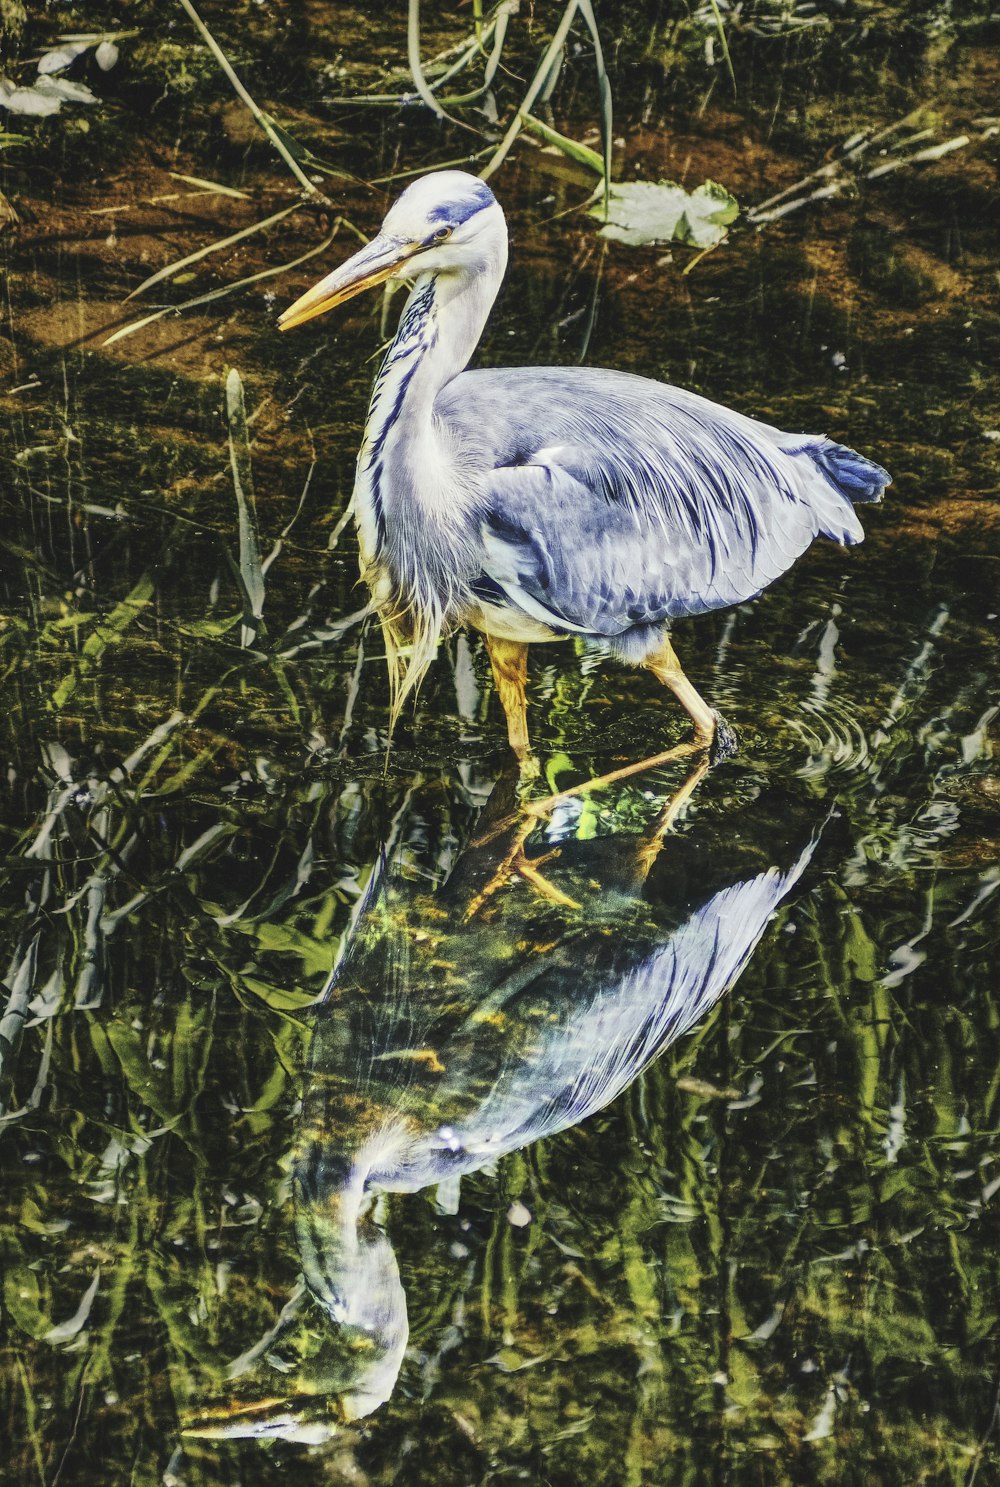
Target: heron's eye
point(441, 234)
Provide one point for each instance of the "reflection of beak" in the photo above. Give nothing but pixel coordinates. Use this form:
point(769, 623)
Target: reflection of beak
point(375, 263)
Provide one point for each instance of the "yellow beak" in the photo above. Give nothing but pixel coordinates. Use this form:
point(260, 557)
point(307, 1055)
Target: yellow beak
point(373, 265)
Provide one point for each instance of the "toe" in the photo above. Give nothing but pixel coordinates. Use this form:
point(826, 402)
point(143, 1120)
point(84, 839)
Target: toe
point(725, 742)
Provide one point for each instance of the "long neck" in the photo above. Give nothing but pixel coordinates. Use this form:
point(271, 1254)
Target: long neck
point(405, 472)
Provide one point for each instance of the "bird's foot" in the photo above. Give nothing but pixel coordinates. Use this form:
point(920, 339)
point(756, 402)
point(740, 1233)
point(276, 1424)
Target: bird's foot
point(517, 863)
point(548, 803)
point(724, 742)
point(528, 869)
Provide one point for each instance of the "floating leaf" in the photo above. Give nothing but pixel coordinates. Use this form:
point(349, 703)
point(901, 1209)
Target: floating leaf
point(643, 212)
point(26, 100)
point(106, 56)
point(45, 96)
point(66, 1331)
point(62, 57)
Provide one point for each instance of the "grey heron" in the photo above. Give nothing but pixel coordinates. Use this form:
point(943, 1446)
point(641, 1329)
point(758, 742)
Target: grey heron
point(539, 503)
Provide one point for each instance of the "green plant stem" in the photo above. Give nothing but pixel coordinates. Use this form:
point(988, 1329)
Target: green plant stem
point(538, 82)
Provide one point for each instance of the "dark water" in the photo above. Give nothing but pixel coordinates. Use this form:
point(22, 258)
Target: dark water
point(644, 1231)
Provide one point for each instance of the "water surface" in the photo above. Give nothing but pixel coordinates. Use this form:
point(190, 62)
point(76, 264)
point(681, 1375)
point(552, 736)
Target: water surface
point(771, 1257)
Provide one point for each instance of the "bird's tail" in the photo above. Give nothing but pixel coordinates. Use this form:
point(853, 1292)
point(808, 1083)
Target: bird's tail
point(855, 477)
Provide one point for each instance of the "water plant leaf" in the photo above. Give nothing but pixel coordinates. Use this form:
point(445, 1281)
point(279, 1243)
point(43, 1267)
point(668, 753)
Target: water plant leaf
point(108, 631)
point(642, 212)
point(225, 289)
point(537, 84)
point(215, 187)
point(724, 44)
point(22, 1296)
point(66, 1331)
point(416, 68)
point(604, 93)
point(64, 89)
point(27, 101)
point(572, 148)
point(235, 237)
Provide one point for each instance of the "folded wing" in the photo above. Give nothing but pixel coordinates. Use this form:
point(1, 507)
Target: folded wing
point(613, 502)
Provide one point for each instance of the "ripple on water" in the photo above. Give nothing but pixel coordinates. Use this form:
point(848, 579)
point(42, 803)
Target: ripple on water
point(835, 736)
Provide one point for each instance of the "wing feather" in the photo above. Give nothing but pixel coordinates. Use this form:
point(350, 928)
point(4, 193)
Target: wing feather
point(609, 502)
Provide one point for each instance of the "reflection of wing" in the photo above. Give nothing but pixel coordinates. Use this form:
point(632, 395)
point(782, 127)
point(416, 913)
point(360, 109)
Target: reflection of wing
point(447, 1040)
point(564, 1067)
point(635, 502)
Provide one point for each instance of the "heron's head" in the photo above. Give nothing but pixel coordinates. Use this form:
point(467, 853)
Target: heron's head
point(444, 222)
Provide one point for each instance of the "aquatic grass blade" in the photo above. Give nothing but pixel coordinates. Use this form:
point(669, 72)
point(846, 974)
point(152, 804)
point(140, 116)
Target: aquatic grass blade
point(236, 237)
point(257, 112)
point(416, 67)
point(225, 289)
point(250, 570)
point(724, 43)
point(108, 631)
point(541, 77)
point(15, 1015)
point(215, 187)
point(604, 92)
point(572, 148)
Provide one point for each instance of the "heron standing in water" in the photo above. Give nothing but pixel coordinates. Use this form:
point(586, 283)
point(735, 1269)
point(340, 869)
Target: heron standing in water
point(539, 503)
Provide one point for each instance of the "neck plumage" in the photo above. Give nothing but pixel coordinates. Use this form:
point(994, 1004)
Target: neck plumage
point(412, 491)
point(403, 467)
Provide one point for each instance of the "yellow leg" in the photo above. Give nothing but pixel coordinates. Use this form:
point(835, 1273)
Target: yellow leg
point(665, 666)
point(515, 861)
point(655, 761)
point(709, 730)
point(509, 660)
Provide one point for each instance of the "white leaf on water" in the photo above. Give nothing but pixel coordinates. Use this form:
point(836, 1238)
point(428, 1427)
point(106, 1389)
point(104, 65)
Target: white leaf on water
point(822, 1425)
point(641, 212)
point(27, 100)
point(65, 1331)
point(45, 96)
point(62, 57)
point(106, 55)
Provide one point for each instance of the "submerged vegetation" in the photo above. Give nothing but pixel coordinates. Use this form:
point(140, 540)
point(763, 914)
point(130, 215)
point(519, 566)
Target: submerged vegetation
point(773, 1257)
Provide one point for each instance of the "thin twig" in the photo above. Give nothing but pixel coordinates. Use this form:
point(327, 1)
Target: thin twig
point(213, 294)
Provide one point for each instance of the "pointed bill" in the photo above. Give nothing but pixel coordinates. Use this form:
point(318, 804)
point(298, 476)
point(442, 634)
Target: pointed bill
point(375, 263)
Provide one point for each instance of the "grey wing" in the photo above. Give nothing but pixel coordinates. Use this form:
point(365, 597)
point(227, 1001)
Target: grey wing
point(609, 501)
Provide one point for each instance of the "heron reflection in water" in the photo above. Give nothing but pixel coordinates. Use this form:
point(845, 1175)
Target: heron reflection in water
point(503, 1004)
point(537, 503)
